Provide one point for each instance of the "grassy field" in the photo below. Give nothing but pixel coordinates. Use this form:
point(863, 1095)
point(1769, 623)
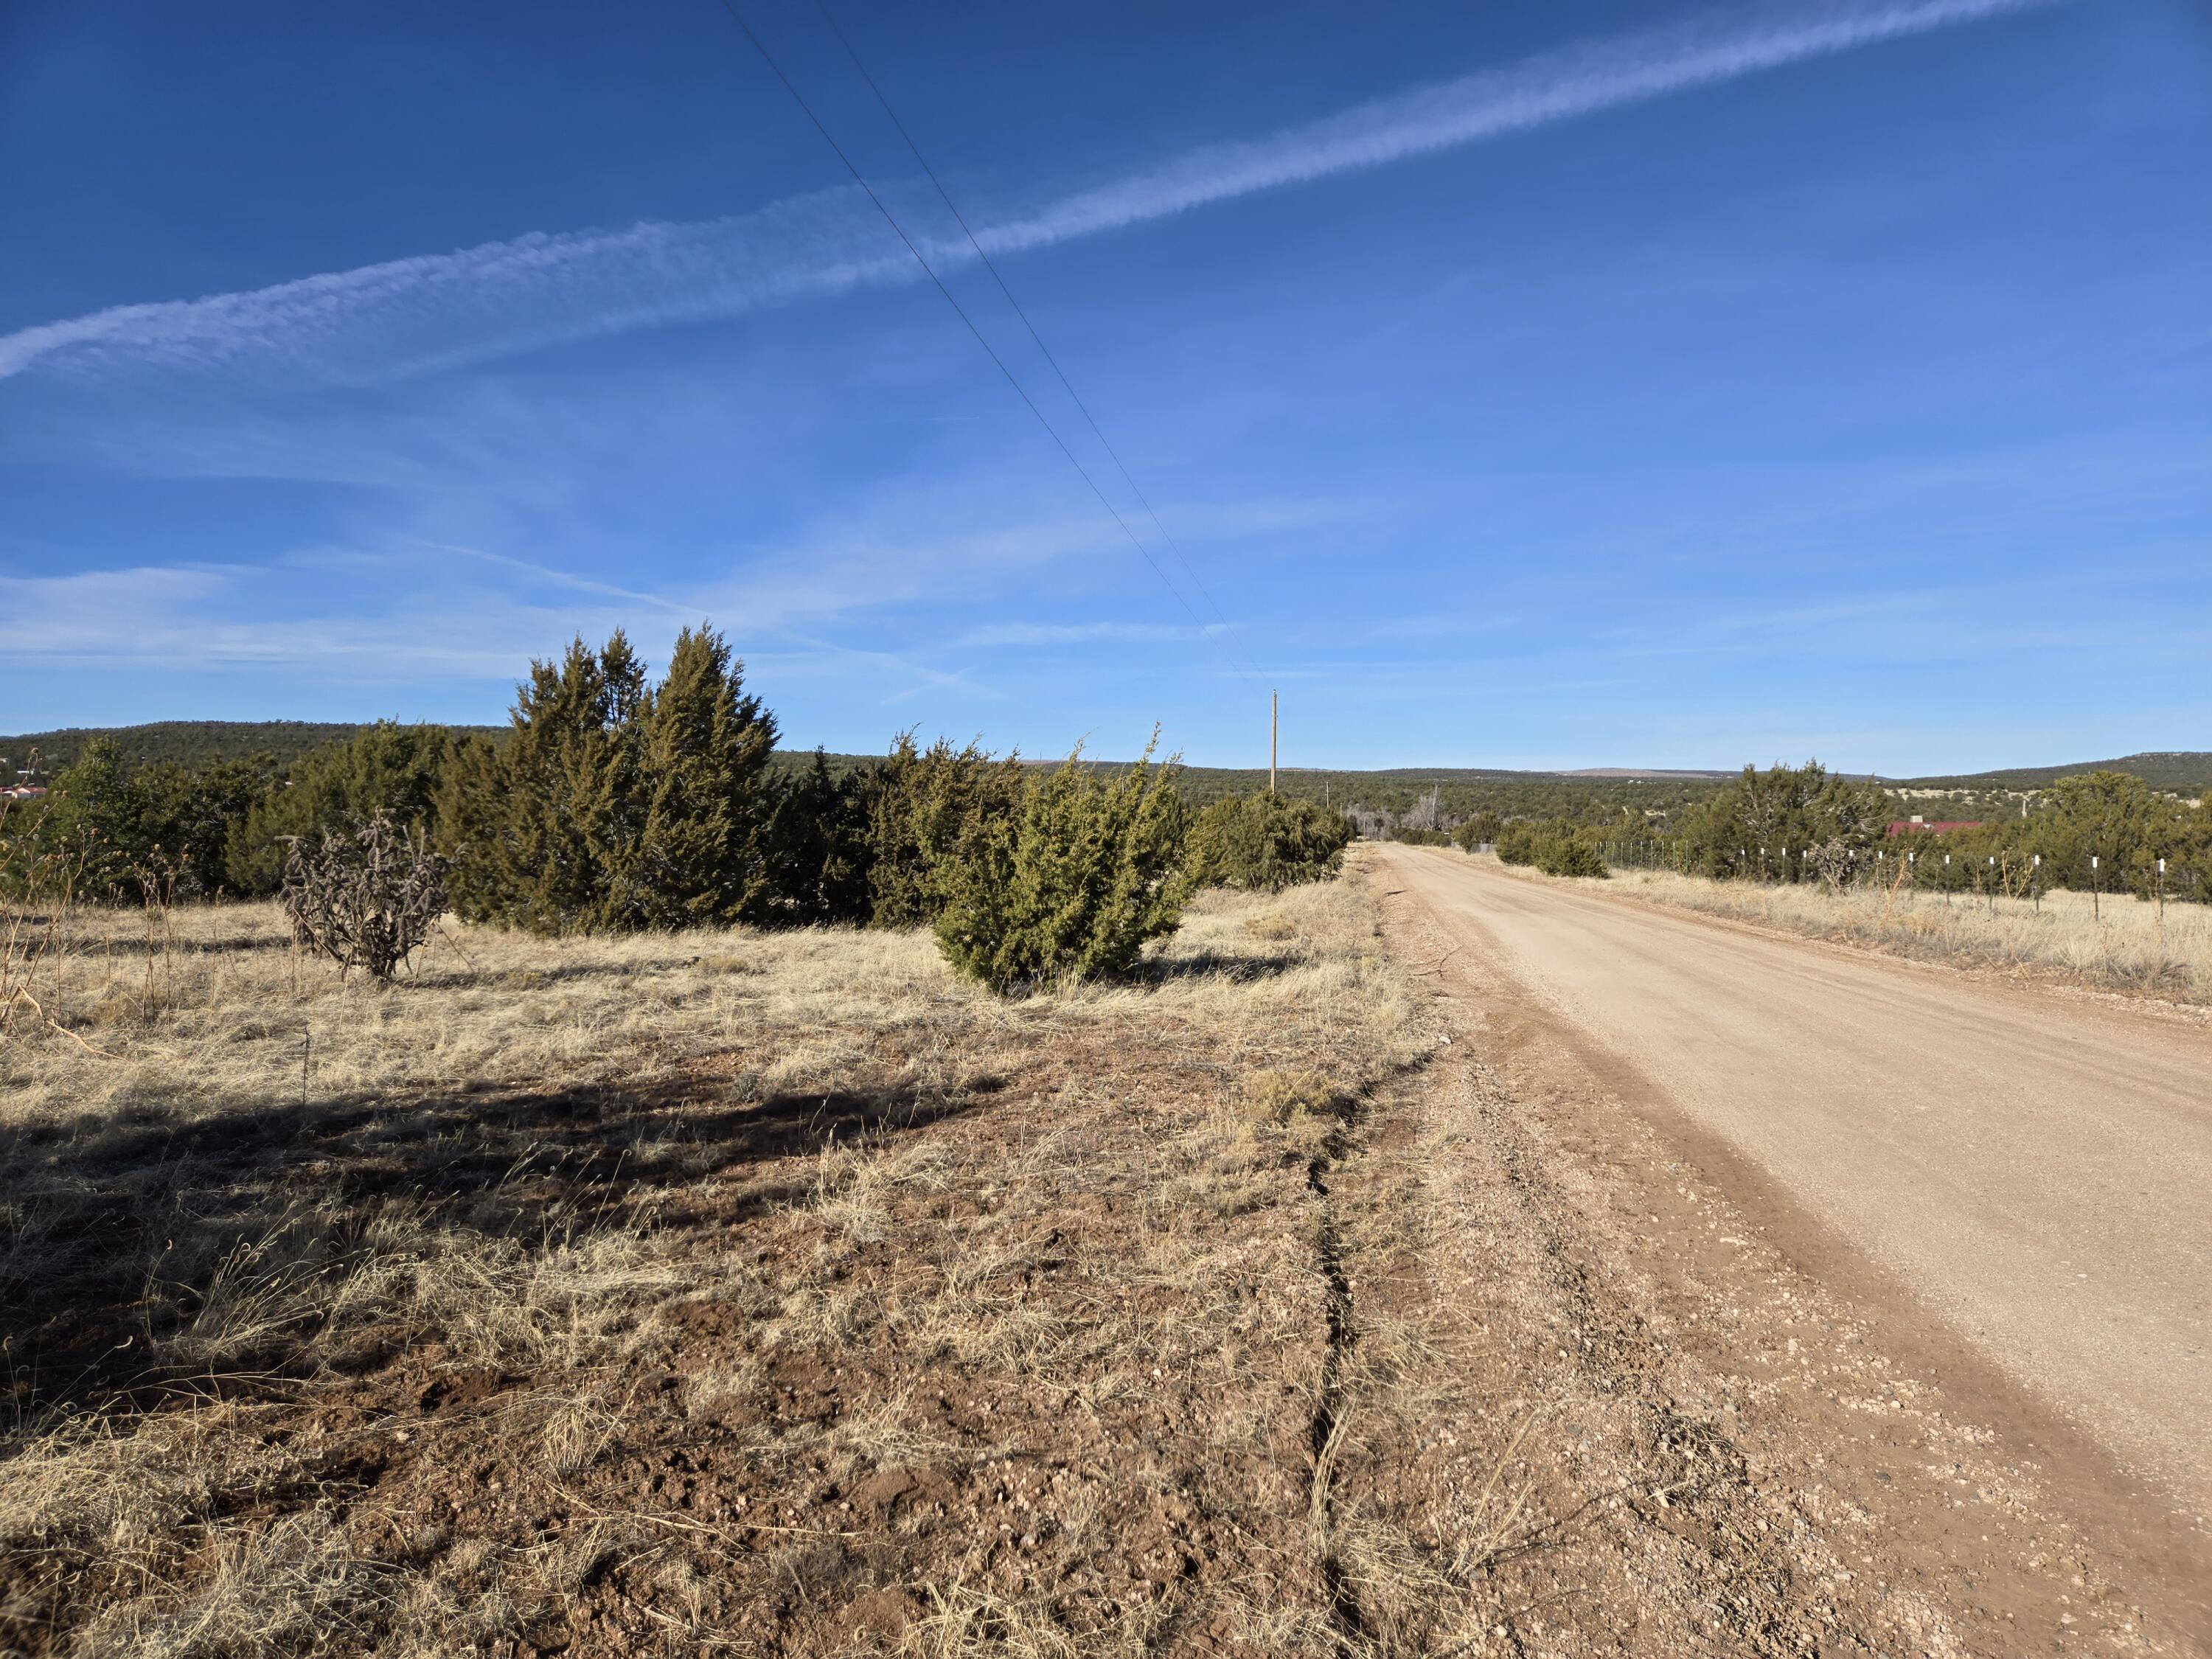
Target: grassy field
point(780, 1294)
point(745, 1292)
point(2118, 942)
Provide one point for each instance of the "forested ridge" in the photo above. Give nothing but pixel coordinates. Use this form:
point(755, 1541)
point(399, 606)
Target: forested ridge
point(607, 802)
point(1462, 789)
point(186, 743)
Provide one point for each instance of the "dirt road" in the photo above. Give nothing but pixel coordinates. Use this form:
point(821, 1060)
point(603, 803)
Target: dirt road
point(2034, 1173)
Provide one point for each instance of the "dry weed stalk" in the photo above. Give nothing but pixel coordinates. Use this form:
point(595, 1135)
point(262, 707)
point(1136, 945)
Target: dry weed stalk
point(37, 918)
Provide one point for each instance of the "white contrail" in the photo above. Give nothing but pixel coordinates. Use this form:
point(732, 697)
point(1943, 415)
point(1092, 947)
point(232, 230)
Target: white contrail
point(410, 316)
point(1537, 92)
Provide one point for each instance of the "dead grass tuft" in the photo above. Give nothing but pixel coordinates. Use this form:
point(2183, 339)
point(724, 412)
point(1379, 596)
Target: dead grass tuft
point(293, 1586)
point(1274, 1096)
point(969, 1622)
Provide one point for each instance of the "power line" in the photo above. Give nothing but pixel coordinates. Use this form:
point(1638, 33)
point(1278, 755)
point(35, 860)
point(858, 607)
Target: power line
point(991, 266)
point(929, 270)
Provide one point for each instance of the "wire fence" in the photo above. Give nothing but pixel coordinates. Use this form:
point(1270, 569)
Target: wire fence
point(2175, 876)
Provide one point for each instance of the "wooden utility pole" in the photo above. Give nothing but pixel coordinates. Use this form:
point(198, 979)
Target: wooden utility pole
point(1273, 723)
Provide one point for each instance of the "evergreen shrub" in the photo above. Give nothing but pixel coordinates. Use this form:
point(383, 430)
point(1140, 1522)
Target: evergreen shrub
point(920, 803)
point(1073, 884)
point(613, 805)
point(1557, 849)
point(820, 858)
point(1265, 843)
point(384, 768)
point(1477, 829)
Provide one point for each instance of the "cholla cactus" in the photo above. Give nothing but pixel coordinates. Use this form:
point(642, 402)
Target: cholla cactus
point(365, 898)
point(1834, 863)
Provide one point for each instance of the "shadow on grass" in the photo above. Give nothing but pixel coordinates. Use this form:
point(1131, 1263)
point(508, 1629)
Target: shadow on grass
point(131, 943)
point(121, 1225)
point(1219, 964)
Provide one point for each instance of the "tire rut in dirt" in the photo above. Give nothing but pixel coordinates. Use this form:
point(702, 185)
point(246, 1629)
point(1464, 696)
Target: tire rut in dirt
point(1326, 1434)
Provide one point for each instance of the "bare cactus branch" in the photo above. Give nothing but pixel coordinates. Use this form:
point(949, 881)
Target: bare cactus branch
point(365, 898)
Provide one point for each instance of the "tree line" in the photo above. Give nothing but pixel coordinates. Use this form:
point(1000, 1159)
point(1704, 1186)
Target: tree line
point(190, 744)
point(2105, 831)
point(615, 802)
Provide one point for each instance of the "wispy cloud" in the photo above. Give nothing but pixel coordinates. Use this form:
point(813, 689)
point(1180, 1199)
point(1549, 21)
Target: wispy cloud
point(1023, 634)
point(1558, 86)
point(401, 606)
point(417, 315)
point(187, 616)
point(547, 574)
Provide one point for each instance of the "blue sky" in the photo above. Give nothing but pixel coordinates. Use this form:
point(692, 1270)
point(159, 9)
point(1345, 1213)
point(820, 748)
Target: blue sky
point(1571, 385)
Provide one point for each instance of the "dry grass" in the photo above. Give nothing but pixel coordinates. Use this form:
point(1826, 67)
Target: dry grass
point(2119, 943)
point(238, 1017)
point(1278, 1097)
point(346, 1317)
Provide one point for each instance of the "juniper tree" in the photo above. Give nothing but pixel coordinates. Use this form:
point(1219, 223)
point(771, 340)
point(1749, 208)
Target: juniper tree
point(543, 830)
point(1267, 842)
point(818, 850)
point(921, 803)
point(384, 767)
point(611, 806)
point(473, 812)
point(1783, 807)
point(701, 855)
point(1073, 886)
point(1556, 848)
point(2112, 816)
point(1478, 829)
point(203, 817)
point(100, 820)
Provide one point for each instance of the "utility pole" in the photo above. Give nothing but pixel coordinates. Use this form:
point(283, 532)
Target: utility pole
point(1273, 723)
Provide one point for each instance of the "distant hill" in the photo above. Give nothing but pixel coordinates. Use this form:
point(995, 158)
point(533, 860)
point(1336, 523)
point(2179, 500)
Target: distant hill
point(196, 743)
point(188, 743)
point(1461, 789)
point(1642, 772)
point(2187, 770)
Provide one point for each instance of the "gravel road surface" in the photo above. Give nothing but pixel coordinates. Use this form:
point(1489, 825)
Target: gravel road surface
point(2034, 1169)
